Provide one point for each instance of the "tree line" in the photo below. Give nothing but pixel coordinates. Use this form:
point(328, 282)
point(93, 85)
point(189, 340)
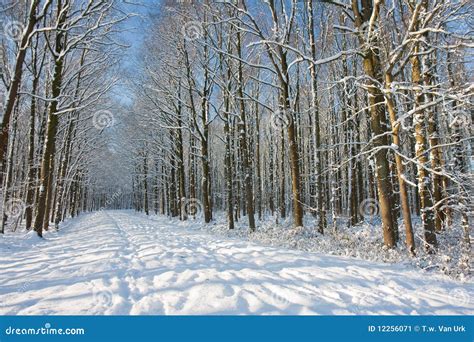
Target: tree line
point(58, 61)
point(327, 113)
point(335, 110)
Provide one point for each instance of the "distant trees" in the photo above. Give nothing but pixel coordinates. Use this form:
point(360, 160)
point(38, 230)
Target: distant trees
point(333, 107)
point(54, 69)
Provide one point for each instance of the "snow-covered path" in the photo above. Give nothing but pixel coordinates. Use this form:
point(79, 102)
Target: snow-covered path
point(119, 262)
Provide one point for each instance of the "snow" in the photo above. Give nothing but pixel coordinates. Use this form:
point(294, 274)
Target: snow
point(121, 262)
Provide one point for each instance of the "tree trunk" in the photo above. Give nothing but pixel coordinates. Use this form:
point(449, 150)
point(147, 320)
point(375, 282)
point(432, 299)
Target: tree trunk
point(242, 127)
point(145, 183)
point(424, 179)
point(47, 164)
point(316, 127)
point(31, 151)
point(378, 122)
point(405, 203)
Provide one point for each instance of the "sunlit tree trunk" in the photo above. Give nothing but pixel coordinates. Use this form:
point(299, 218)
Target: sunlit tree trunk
point(47, 164)
point(378, 122)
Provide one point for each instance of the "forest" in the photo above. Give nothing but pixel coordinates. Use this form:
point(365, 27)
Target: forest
point(331, 122)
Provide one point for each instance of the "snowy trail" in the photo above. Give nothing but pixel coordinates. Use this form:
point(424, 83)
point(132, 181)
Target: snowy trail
point(119, 262)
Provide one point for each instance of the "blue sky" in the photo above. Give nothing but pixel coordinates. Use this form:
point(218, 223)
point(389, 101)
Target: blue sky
point(138, 25)
point(133, 35)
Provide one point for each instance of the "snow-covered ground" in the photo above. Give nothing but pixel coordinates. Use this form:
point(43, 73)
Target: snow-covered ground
point(119, 262)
